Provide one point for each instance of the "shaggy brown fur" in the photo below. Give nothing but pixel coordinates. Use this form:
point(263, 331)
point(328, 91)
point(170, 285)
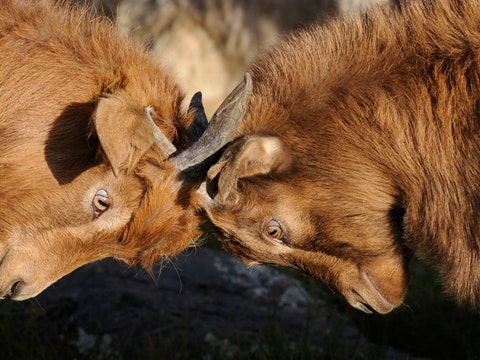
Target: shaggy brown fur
point(74, 137)
point(377, 116)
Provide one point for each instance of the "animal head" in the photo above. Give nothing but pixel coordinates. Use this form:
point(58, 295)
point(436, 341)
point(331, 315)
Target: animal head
point(89, 166)
point(312, 181)
point(136, 204)
point(268, 206)
point(358, 148)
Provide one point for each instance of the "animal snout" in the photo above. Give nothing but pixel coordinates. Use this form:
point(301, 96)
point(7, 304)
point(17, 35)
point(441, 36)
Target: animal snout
point(12, 290)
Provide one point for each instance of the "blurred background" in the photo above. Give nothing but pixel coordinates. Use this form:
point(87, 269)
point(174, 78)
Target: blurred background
point(206, 304)
point(207, 45)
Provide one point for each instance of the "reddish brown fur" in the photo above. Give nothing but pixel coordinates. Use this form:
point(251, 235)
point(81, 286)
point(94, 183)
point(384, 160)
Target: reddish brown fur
point(72, 95)
point(380, 114)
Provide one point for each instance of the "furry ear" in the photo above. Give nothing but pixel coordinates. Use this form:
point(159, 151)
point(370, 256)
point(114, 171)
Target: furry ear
point(124, 134)
point(246, 157)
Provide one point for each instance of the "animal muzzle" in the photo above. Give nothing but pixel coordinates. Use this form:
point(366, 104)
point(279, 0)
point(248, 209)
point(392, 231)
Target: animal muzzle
point(11, 290)
point(18, 280)
point(369, 300)
point(11, 287)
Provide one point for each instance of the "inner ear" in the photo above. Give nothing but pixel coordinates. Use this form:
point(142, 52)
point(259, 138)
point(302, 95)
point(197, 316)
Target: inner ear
point(246, 157)
point(263, 155)
point(124, 133)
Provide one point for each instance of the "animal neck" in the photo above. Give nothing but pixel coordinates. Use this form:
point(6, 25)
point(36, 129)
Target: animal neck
point(430, 149)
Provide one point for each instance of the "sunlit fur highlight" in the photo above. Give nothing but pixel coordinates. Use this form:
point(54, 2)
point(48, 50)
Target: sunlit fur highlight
point(380, 112)
point(59, 63)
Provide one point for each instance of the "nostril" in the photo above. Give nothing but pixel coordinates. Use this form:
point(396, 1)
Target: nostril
point(14, 289)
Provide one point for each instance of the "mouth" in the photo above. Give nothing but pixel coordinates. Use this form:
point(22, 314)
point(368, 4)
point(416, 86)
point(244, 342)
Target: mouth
point(367, 309)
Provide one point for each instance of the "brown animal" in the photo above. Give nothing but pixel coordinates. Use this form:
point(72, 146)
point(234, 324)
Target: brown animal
point(85, 123)
point(360, 147)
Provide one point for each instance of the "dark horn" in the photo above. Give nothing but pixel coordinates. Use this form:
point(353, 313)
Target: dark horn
point(198, 126)
point(221, 129)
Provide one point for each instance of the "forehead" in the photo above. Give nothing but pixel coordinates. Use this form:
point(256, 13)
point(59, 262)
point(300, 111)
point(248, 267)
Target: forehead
point(164, 223)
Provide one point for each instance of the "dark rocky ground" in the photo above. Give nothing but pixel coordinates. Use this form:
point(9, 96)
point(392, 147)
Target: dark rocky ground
point(208, 303)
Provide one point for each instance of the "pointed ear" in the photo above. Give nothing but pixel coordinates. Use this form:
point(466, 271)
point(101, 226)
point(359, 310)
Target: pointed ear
point(124, 134)
point(246, 157)
point(262, 155)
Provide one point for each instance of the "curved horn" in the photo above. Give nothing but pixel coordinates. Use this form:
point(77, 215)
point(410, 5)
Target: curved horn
point(196, 129)
point(160, 138)
point(221, 129)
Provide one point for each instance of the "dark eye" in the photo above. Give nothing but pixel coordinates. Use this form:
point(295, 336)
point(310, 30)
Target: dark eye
point(273, 230)
point(101, 202)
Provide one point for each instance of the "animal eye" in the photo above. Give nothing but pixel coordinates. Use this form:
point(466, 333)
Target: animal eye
point(273, 230)
point(101, 202)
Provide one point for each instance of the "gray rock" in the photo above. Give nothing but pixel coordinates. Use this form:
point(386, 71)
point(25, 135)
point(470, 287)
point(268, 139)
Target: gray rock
point(204, 296)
